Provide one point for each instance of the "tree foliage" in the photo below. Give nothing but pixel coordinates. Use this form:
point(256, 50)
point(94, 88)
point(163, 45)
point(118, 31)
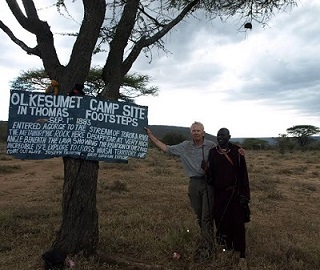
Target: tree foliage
point(303, 133)
point(133, 85)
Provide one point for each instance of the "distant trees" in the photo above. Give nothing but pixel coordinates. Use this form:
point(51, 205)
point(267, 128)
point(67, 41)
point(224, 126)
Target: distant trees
point(302, 133)
point(255, 144)
point(284, 143)
point(299, 136)
point(171, 138)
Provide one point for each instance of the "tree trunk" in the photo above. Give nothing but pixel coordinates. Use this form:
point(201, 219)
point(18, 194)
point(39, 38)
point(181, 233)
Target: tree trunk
point(79, 228)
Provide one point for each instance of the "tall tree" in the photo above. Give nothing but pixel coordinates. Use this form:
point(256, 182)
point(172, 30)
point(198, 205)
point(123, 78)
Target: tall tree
point(79, 227)
point(303, 133)
point(129, 27)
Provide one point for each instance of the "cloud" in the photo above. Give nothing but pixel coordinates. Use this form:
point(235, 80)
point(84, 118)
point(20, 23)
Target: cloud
point(276, 66)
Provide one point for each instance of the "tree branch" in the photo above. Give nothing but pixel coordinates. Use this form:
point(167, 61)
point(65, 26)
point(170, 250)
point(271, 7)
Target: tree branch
point(45, 44)
point(156, 22)
point(88, 34)
point(145, 42)
point(17, 41)
point(112, 68)
point(30, 9)
point(18, 14)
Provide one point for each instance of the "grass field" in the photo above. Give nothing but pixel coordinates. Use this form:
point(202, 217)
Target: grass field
point(145, 216)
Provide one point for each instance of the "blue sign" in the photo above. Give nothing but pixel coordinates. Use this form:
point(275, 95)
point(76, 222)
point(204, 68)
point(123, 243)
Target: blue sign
point(44, 126)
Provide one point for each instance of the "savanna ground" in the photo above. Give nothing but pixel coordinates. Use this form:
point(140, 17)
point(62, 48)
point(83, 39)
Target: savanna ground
point(145, 216)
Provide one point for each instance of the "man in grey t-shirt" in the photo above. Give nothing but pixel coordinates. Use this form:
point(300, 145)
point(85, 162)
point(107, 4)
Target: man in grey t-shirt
point(193, 154)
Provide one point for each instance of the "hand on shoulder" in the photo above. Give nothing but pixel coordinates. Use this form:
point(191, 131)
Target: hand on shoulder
point(241, 151)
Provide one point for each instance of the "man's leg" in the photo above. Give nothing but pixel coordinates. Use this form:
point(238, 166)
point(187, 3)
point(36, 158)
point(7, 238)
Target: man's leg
point(207, 217)
point(194, 192)
point(240, 239)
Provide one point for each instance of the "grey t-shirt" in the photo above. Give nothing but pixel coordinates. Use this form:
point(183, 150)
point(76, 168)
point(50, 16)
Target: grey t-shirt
point(191, 155)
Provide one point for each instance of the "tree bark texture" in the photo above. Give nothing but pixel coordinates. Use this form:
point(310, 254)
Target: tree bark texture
point(112, 72)
point(79, 228)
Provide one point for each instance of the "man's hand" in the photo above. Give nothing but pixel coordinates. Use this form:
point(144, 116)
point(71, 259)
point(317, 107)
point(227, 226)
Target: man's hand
point(148, 131)
point(241, 151)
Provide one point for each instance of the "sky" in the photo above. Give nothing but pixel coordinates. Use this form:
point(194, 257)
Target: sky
point(256, 83)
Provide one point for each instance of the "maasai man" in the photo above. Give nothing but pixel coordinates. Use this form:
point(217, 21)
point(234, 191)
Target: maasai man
point(227, 173)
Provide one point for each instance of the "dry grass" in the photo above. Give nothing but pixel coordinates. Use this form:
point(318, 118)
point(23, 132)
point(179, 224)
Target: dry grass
point(144, 212)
